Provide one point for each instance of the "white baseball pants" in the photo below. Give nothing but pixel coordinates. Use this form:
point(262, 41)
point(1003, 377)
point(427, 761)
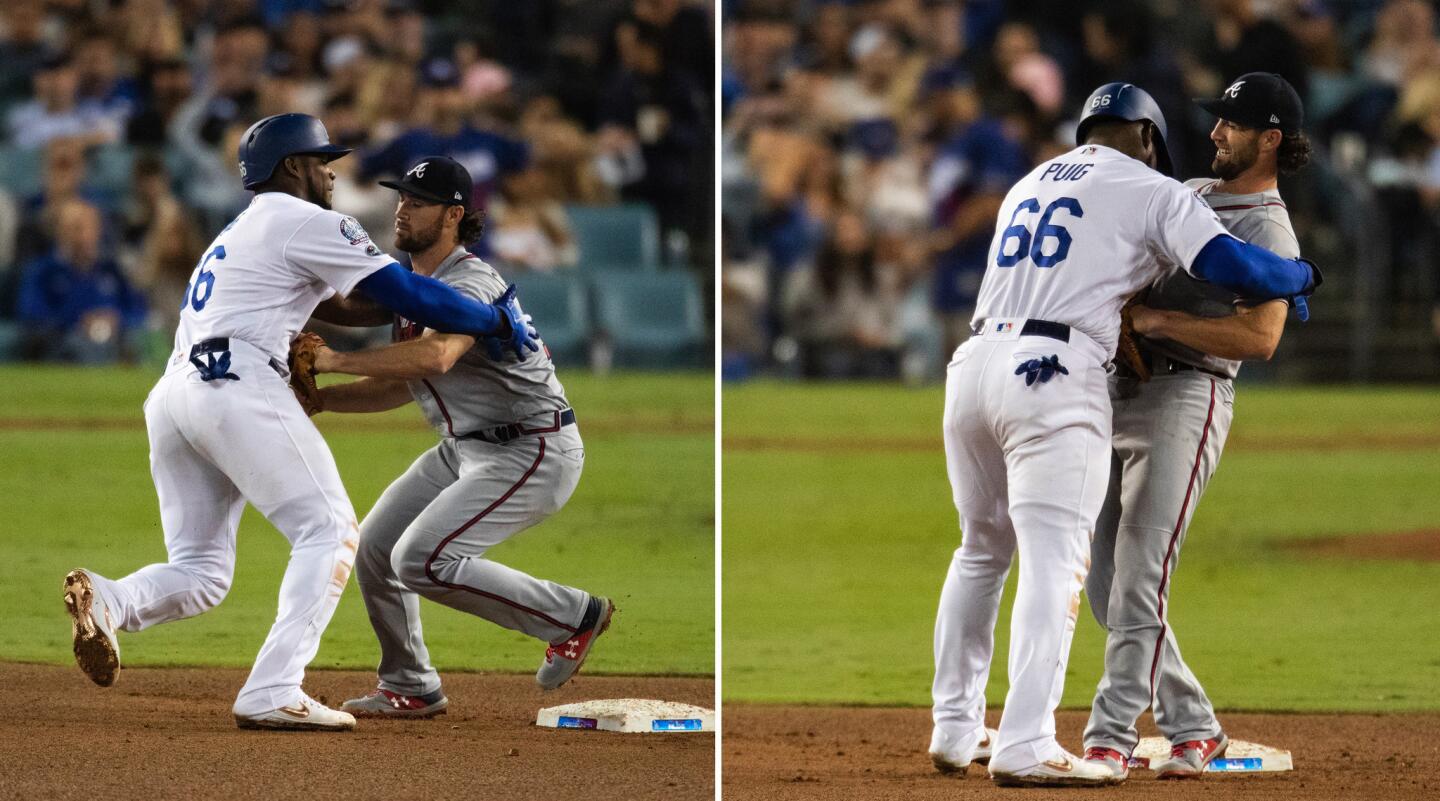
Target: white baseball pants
point(213, 446)
point(1028, 467)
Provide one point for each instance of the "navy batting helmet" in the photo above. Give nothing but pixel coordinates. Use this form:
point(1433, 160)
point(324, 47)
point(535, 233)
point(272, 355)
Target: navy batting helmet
point(1125, 101)
point(270, 140)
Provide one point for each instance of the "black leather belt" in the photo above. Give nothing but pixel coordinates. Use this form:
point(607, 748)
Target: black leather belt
point(221, 345)
point(1037, 328)
point(1161, 364)
point(503, 434)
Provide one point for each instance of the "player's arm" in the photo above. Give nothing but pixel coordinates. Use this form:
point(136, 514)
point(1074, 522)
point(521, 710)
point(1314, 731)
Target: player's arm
point(1253, 332)
point(356, 310)
point(1253, 271)
point(432, 354)
point(1188, 232)
point(366, 395)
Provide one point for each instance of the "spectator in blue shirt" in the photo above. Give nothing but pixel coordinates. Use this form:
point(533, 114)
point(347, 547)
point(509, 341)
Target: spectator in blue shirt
point(58, 110)
point(488, 156)
point(74, 302)
point(968, 180)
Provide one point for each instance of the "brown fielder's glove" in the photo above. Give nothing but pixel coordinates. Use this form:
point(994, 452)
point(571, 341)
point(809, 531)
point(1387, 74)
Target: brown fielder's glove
point(302, 372)
point(1128, 352)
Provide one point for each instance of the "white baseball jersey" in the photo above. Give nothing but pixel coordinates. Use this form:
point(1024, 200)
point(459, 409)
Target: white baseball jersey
point(1083, 232)
point(263, 276)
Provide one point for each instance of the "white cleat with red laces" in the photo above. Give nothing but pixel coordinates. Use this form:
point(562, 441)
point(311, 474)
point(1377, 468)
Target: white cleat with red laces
point(563, 660)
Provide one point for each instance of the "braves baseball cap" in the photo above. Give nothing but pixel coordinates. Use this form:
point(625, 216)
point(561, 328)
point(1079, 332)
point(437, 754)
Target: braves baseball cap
point(438, 179)
point(1259, 100)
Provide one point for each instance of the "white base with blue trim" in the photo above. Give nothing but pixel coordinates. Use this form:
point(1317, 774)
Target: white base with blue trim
point(1240, 757)
point(628, 715)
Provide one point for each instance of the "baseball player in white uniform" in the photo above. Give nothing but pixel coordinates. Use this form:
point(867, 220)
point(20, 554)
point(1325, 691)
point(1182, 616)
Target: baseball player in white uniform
point(1027, 416)
point(225, 429)
point(510, 455)
point(1169, 432)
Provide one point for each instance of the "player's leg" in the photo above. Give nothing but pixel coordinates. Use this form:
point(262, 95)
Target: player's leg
point(1183, 711)
point(257, 434)
point(1168, 439)
point(1057, 442)
point(501, 491)
point(394, 609)
point(1102, 546)
point(199, 512)
point(970, 596)
point(1109, 728)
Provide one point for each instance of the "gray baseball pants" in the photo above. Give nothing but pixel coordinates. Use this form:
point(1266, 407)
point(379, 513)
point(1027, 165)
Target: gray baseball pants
point(1167, 439)
point(428, 534)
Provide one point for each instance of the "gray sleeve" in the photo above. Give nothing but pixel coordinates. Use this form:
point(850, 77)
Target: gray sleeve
point(482, 286)
point(1276, 236)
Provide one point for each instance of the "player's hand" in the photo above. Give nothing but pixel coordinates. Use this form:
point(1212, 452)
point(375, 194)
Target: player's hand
point(302, 372)
point(1144, 320)
point(1302, 306)
point(324, 358)
point(1127, 350)
point(517, 332)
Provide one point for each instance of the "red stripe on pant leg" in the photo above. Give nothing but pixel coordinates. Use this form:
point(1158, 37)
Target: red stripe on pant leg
point(430, 573)
point(1175, 537)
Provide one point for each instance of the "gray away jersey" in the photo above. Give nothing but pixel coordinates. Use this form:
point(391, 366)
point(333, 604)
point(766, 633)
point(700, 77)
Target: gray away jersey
point(479, 393)
point(1260, 219)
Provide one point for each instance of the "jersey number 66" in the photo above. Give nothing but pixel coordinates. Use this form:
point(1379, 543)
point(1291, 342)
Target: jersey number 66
point(1044, 230)
point(203, 280)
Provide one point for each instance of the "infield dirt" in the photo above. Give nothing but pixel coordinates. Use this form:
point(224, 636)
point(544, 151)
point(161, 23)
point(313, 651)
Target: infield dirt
point(162, 734)
point(878, 754)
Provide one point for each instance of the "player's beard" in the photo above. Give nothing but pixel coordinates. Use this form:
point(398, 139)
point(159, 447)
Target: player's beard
point(420, 239)
point(1242, 158)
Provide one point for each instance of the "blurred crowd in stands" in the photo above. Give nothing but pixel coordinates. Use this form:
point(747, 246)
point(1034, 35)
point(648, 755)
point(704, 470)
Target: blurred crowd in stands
point(119, 121)
point(867, 145)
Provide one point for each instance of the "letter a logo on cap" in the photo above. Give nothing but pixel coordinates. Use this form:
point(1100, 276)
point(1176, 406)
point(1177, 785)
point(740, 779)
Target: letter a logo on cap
point(418, 170)
point(1234, 90)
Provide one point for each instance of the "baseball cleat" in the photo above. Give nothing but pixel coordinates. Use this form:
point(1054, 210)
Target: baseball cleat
point(1065, 771)
point(385, 704)
point(97, 651)
point(1188, 759)
point(308, 715)
point(952, 754)
point(1117, 762)
point(563, 660)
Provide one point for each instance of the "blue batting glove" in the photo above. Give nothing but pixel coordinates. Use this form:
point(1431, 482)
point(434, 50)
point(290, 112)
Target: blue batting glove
point(522, 334)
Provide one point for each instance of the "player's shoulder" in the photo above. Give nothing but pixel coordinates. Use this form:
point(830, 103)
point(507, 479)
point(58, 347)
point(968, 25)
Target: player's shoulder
point(471, 270)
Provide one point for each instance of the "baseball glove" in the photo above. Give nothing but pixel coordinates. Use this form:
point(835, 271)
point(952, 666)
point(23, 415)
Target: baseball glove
point(302, 372)
point(1128, 351)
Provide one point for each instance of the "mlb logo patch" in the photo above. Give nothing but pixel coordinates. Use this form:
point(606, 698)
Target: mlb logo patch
point(1003, 328)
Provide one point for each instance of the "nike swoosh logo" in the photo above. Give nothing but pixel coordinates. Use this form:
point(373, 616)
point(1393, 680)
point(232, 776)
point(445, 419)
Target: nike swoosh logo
point(302, 712)
point(1063, 766)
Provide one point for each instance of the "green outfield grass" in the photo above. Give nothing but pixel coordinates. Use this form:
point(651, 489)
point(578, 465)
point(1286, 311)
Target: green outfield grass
point(640, 528)
point(838, 529)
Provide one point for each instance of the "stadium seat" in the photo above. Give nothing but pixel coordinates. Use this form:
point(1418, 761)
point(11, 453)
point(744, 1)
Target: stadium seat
point(560, 305)
point(624, 237)
point(9, 340)
point(110, 171)
point(651, 320)
point(20, 170)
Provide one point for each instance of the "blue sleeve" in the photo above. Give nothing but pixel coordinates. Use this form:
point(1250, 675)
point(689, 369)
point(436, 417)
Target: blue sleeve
point(429, 302)
point(1251, 270)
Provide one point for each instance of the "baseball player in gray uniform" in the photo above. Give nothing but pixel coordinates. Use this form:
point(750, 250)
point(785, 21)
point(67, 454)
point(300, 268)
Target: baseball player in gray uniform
point(1169, 432)
point(510, 456)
